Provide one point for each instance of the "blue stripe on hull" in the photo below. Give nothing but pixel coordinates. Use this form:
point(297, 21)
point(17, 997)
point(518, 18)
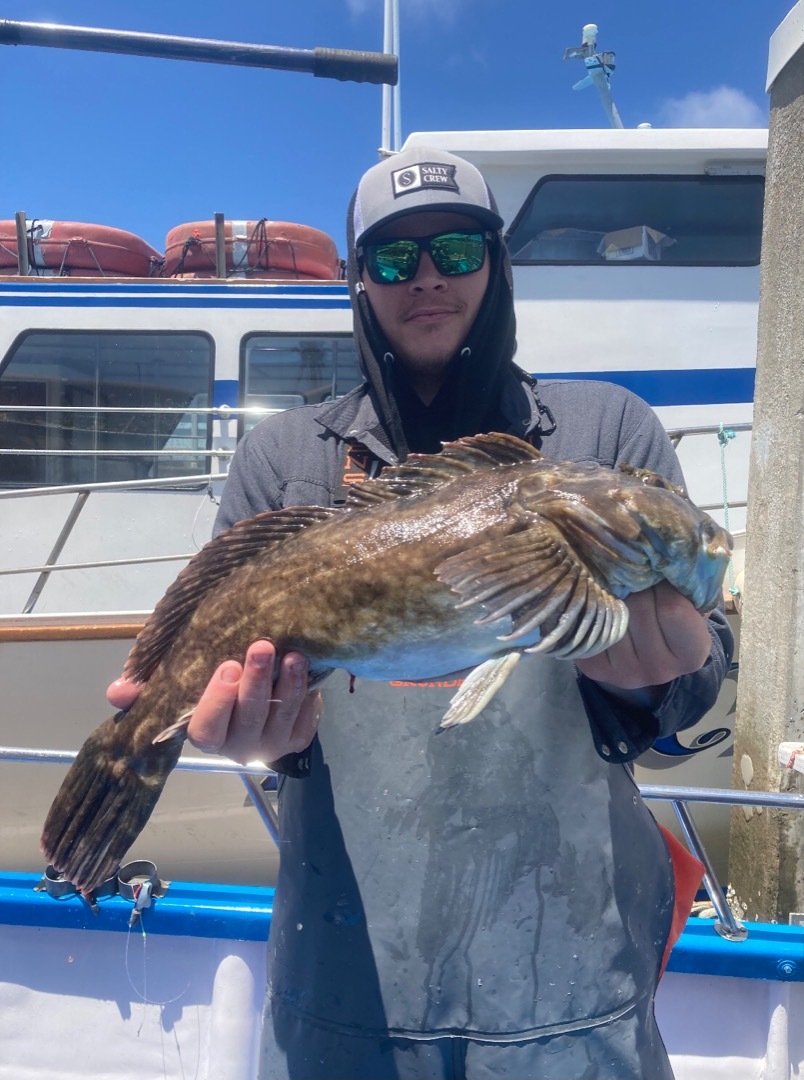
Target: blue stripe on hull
point(697, 386)
point(243, 913)
point(225, 393)
point(712, 386)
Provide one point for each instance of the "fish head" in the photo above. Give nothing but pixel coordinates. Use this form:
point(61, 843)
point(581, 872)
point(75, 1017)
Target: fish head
point(630, 528)
point(687, 547)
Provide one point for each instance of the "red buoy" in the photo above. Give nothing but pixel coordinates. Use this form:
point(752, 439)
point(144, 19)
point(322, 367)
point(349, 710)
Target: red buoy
point(78, 248)
point(254, 249)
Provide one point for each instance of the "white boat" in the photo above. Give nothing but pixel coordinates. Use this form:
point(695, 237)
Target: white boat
point(121, 400)
point(111, 458)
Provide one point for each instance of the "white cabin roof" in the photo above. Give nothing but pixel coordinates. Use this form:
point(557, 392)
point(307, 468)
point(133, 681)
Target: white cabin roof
point(600, 144)
point(513, 161)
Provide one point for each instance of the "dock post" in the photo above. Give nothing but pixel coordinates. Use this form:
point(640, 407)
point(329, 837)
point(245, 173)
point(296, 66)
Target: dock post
point(766, 851)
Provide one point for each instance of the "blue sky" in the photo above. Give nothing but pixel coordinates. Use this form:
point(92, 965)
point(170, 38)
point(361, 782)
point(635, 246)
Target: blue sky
point(146, 144)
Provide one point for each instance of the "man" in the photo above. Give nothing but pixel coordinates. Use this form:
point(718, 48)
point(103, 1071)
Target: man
point(493, 902)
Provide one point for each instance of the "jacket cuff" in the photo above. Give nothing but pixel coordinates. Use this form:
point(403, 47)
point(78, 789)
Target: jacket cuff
point(621, 731)
point(296, 766)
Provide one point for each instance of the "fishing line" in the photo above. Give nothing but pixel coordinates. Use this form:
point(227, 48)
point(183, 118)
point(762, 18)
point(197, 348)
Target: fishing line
point(143, 994)
point(209, 496)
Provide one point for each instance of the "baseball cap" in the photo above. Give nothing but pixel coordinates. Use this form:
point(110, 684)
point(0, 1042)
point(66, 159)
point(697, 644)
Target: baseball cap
point(421, 179)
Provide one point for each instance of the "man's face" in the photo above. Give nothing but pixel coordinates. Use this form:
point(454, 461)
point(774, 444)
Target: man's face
point(427, 318)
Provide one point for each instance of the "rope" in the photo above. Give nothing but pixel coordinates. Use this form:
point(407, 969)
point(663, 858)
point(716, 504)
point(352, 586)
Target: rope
point(724, 436)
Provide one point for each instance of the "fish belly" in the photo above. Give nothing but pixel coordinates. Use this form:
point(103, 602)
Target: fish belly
point(458, 650)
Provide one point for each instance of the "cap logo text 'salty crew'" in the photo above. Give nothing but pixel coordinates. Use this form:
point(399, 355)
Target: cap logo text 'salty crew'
point(425, 175)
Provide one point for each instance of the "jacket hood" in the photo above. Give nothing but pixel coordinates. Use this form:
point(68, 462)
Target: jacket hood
point(469, 399)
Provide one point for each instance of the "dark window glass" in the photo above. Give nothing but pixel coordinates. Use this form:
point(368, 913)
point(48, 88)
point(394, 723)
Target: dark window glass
point(283, 371)
point(78, 375)
point(616, 220)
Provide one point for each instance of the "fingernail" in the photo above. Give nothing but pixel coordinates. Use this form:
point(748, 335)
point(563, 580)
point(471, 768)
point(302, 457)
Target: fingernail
point(230, 675)
point(206, 748)
point(298, 670)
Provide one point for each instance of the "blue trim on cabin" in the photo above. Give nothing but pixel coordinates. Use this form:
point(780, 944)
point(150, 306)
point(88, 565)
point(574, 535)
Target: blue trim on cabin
point(694, 386)
point(243, 913)
point(199, 294)
point(225, 393)
point(174, 302)
point(70, 288)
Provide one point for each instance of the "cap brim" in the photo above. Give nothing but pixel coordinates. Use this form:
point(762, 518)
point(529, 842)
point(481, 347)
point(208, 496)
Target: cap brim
point(487, 218)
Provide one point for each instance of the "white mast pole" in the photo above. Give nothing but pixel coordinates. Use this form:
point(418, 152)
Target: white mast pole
point(391, 138)
point(397, 90)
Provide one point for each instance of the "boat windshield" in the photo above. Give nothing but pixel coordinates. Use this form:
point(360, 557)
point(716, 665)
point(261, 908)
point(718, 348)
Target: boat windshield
point(614, 220)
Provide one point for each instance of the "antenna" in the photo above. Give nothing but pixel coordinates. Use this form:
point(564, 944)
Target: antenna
point(599, 67)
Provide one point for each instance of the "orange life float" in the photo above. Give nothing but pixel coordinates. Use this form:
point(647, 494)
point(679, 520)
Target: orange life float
point(79, 248)
point(254, 249)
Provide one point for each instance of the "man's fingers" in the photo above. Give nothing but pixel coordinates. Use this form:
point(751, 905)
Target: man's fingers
point(666, 638)
point(685, 633)
point(253, 705)
point(209, 723)
point(306, 725)
point(243, 712)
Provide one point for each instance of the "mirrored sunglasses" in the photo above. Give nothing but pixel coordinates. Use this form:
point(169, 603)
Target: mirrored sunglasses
point(391, 261)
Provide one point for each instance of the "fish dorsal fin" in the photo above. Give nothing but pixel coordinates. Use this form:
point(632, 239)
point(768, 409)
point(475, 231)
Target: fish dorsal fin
point(536, 579)
point(422, 473)
point(215, 561)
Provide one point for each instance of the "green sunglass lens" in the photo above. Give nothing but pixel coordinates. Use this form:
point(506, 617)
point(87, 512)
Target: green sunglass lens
point(397, 261)
point(458, 253)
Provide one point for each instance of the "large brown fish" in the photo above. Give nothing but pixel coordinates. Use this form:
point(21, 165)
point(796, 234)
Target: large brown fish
point(464, 559)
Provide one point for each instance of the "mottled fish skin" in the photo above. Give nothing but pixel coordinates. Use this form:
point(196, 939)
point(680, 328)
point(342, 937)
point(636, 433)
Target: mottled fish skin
point(459, 560)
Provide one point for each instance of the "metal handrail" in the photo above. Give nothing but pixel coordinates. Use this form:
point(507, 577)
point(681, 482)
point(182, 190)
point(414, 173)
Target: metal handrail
point(253, 775)
point(116, 485)
point(98, 564)
point(208, 764)
point(144, 410)
point(725, 923)
point(707, 429)
point(726, 796)
point(144, 451)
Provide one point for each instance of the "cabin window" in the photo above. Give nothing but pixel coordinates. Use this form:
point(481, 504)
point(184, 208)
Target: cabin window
point(283, 371)
point(650, 220)
point(71, 385)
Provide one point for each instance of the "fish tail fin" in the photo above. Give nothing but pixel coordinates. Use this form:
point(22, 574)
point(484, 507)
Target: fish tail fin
point(102, 806)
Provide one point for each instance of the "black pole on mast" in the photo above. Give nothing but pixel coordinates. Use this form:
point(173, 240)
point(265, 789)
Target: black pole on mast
point(342, 64)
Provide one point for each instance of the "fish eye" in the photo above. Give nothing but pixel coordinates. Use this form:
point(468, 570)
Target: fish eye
point(711, 532)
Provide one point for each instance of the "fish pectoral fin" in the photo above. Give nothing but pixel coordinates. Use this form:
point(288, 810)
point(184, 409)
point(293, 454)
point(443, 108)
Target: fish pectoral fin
point(536, 577)
point(479, 687)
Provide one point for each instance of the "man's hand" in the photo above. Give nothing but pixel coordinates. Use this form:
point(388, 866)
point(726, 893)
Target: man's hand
point(666, 638)
point(243, 714)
